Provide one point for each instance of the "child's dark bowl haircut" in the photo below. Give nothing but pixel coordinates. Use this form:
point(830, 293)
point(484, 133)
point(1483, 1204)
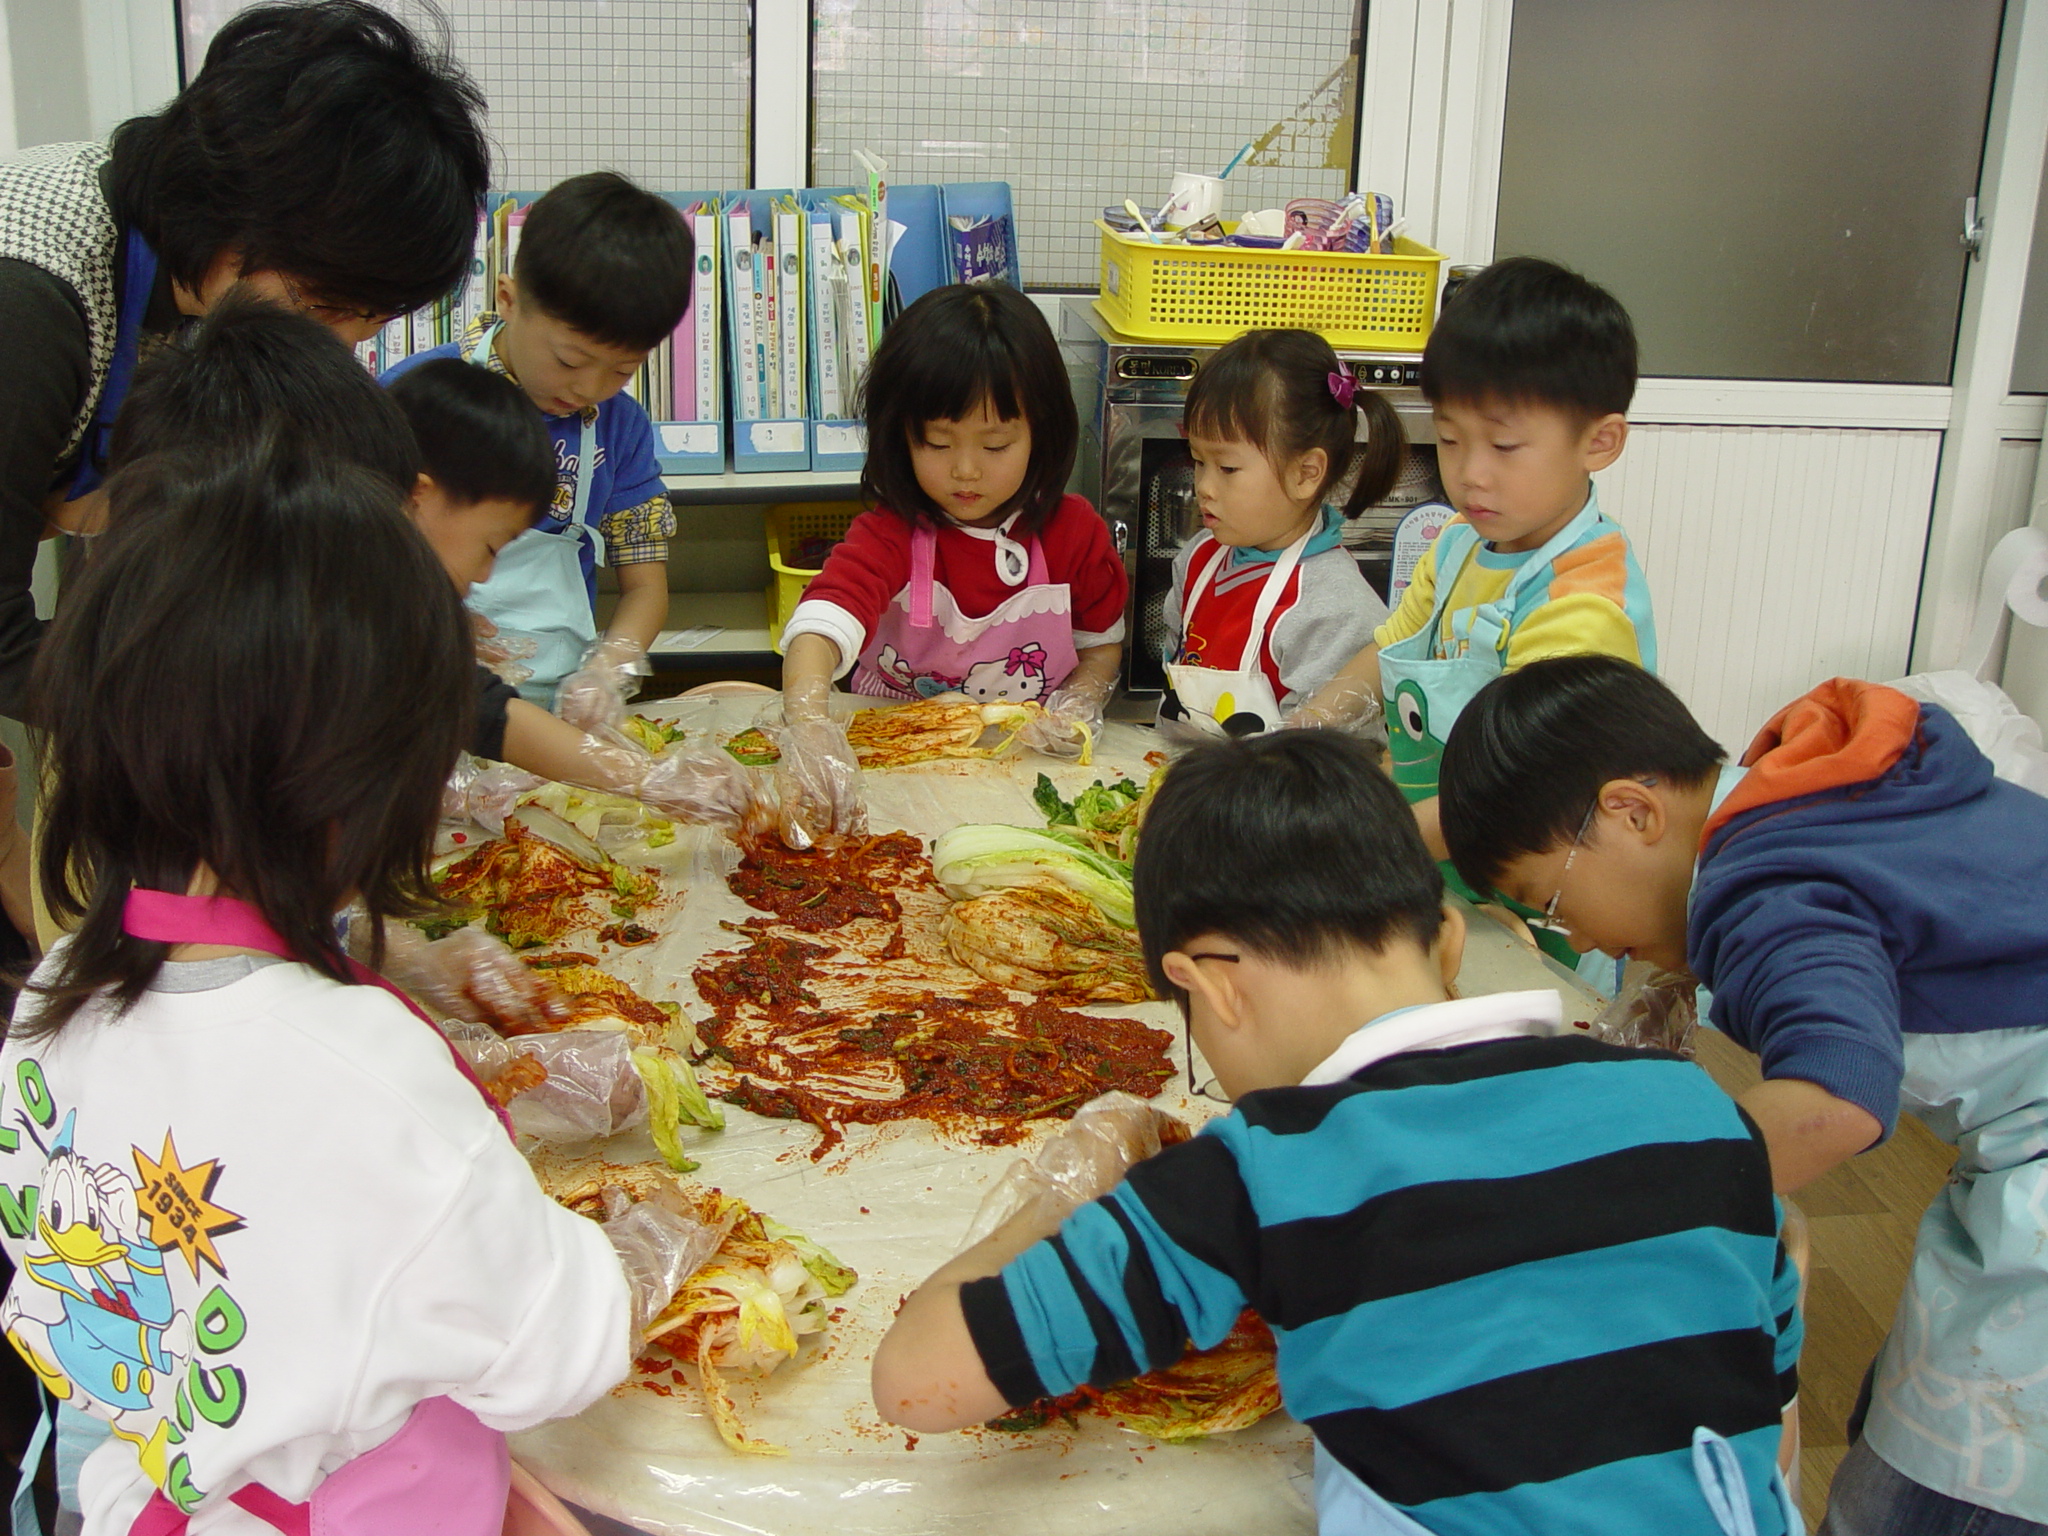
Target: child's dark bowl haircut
point(251, 368)
point(1294, 844)
point(947, 353)
point(1528, 755)
point(1272, 389)
point(264, 670)
point(327, 142)
point(608, 258)
point(1529, 332)
point(478, 434)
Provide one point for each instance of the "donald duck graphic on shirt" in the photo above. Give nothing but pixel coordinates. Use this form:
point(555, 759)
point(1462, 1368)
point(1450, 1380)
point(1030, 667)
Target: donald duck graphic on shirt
point(94, 1310)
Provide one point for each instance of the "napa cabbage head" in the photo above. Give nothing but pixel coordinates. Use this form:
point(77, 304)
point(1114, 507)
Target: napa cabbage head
point(974, 860)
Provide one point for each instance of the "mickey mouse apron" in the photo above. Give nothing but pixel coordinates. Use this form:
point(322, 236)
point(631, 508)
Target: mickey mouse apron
point(1237, 701)
point(537, 587)
point(923, 645)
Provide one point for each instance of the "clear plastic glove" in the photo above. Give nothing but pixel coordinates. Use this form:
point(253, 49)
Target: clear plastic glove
point(1655, 1012)
point(594, 695)
point(1072, 720)
point(706, 785)
point(485, 793)
point(1084, 1162)
point(470, 975)
point(817, 782)
point(817, 779)
point(659, 1249)
point(505, 655)
point(1339, 706)
point(592, 1087)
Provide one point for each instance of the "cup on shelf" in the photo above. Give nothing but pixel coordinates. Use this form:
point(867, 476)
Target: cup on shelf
point(1194, 197)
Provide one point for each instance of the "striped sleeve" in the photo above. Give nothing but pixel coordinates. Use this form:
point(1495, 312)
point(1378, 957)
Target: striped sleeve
point(1790, 1324)
point(1418, 602)
point(1112, 1296)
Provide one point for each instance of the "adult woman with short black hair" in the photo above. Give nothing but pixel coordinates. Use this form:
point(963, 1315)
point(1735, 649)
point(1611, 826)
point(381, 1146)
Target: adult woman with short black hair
point(325, 156)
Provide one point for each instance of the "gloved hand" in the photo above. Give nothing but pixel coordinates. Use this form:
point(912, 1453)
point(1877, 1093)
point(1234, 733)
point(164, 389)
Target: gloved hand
point(1072, 720)
point(594, 696)
point(1341, 705)
point(470, 975)
point(817, 780)
point(1085, 1161)
point(485, 793)
point(505, 655)
point(706, 785)
point(1660, 1012)
point(659, 1249)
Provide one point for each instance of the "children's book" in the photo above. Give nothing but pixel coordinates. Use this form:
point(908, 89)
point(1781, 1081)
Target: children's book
point(745, 374)
point(789, 305)
point(704, 220)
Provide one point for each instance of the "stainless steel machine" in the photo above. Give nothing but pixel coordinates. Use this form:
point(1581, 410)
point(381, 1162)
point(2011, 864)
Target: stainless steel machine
point(1133, 463)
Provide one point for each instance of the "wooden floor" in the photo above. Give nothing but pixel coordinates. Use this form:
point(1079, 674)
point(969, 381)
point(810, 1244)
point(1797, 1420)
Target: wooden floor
point(1863, 1217)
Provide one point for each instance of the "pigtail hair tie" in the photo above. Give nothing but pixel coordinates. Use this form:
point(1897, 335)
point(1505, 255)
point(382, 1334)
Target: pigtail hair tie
point(1343, 387)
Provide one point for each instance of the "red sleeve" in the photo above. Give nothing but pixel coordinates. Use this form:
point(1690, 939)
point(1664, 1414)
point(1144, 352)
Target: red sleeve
point(1078, 551)
point(866, 569)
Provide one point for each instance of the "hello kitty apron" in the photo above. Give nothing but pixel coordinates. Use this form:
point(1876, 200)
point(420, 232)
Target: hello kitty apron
point(923, 645)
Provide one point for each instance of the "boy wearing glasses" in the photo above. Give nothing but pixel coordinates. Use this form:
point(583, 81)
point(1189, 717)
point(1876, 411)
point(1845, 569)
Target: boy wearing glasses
point(1520, 1280)
point(1865, 902)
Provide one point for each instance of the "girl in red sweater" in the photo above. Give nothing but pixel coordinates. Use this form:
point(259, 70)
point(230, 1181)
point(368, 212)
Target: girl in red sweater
point(971, 573)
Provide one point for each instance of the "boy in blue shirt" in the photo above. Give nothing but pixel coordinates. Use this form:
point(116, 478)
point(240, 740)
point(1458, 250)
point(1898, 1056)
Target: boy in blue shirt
point(1864, 900)
point(1519, 1280)
point(601, 276)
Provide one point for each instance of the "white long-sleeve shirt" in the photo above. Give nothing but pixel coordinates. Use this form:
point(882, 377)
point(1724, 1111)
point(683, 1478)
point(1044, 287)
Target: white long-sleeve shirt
point(254, 1226)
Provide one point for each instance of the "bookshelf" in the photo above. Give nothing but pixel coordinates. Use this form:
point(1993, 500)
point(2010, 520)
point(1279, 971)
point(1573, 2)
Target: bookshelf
point(732, 488)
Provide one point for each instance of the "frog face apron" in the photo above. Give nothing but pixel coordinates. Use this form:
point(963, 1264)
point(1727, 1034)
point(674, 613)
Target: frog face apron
point(537, 587)
point(1425, 693)
point(1238, 701)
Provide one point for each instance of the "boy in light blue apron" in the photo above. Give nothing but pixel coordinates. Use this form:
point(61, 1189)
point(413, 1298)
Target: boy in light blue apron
point(1518, 1280)
point(601, 276)
point(1865, 902)
point(1530, 372)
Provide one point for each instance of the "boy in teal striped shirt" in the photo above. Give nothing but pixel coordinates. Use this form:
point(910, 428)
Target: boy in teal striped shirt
point(1519, 1280)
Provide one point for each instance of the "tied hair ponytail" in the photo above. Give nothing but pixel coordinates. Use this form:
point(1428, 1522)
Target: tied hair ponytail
point(1286, 393)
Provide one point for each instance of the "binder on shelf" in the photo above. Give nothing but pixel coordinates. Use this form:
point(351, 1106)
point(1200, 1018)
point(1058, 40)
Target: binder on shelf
point(770, 429)
point(683, 395)
point(836, 317)
point(980, 232)
point(917, 259)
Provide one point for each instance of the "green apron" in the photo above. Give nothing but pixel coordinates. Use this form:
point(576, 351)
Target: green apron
point(1425, 692)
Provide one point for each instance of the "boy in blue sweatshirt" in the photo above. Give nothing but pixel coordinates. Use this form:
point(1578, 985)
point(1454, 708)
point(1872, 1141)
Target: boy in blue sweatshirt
point(1868, 906)
point(1519, 1280)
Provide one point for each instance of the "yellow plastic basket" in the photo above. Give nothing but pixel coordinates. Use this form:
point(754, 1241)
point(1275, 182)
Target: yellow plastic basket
point(790, 528)
point(1217, 292)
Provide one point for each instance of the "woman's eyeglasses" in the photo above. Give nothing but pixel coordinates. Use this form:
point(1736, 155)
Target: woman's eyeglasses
point(334, 314)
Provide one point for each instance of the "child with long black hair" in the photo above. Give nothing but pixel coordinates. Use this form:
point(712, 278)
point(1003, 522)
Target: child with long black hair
point(282, 1244)
point(972, 572)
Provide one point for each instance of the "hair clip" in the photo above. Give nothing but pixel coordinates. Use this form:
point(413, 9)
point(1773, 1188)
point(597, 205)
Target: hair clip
point(1343, 387)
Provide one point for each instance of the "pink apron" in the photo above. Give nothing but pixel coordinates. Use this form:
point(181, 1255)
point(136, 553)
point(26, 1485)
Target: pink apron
point(923, 645)
point(444, 1473)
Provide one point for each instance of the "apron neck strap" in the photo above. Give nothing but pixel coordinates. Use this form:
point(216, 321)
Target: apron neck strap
point(924, 545)
point(166, 918)
point(1269, 593)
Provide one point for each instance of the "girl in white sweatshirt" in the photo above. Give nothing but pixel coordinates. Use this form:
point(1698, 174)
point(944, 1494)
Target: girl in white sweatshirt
point(263, 1223)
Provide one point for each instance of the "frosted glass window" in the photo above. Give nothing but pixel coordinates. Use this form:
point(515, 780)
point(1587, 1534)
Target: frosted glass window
point(1079, 104)
point(658, 89)
point(2030, 360)
point(1774, 190)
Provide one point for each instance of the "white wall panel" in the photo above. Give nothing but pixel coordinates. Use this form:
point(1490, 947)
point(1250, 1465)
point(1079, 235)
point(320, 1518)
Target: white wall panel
point(1776, 557)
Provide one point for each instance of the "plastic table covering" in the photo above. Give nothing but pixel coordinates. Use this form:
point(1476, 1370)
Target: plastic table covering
point(894, 1201)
